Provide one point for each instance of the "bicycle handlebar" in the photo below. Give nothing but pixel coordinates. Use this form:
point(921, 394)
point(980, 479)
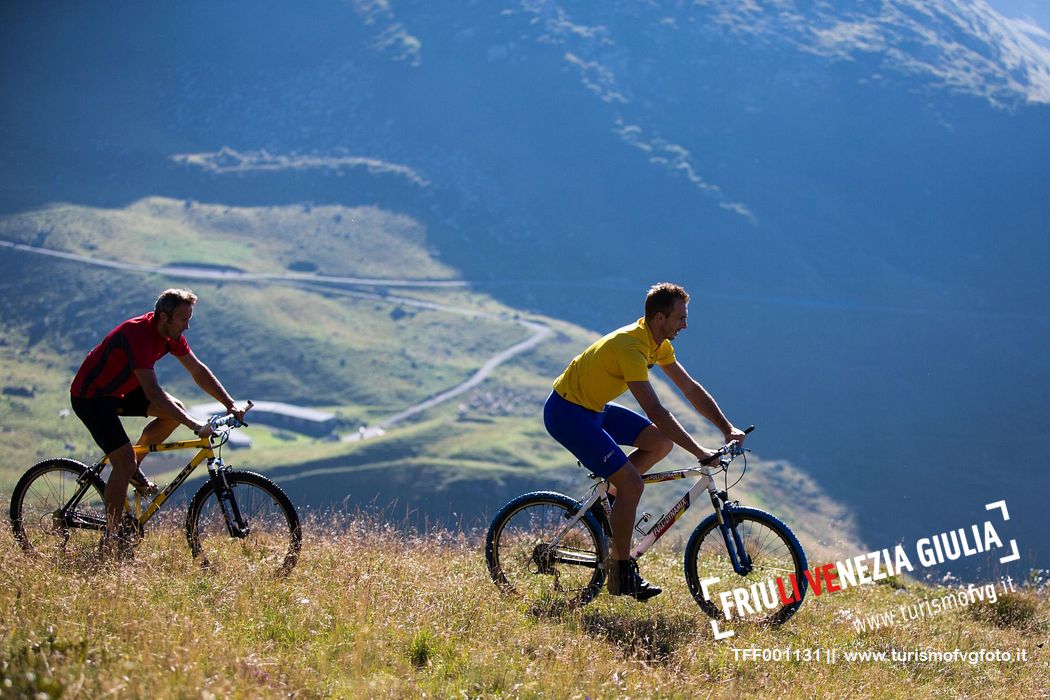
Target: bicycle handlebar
point(733, 449)
point(229, 420)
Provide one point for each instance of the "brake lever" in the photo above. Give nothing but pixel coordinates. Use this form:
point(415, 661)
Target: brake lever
point(244, 423)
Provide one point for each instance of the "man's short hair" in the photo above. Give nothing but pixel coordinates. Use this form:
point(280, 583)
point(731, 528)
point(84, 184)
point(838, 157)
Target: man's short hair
point(171, 298)
point(661, 298)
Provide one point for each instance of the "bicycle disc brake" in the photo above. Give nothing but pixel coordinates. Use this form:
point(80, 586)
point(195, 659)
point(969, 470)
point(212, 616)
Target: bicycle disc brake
point(542, 560)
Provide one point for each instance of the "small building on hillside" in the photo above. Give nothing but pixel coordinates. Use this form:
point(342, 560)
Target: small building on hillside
point(275, 414)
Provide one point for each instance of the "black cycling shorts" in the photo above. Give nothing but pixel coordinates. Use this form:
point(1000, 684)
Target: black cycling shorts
point(102, 416)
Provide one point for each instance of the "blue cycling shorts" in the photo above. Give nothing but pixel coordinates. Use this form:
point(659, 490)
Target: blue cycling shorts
point(593, 438)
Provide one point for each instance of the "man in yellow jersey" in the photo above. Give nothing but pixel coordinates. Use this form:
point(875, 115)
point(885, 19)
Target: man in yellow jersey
point(579, 414)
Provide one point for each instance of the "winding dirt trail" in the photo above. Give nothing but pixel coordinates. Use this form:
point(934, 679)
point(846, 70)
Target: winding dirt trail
point(539, 332)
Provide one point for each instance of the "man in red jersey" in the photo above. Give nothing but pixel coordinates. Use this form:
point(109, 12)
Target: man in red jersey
point(117, 379)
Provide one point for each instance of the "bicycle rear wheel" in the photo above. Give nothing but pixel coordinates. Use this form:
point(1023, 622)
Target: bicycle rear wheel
point(525, 560)
point(774, 552)
point(43, 519)
point(272, 536)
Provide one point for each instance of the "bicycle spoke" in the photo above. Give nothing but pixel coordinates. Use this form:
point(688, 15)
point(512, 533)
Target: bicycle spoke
point(524, 562)
point(42, 492)
point(269, 542)
point(773, 554)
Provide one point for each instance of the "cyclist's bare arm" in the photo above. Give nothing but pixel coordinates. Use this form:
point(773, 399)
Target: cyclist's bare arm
point(664, 420)
point(702, 401)
point(160, 402)
point(208, 382)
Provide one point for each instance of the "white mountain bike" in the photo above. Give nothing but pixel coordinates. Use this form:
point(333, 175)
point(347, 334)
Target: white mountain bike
point(552, 550)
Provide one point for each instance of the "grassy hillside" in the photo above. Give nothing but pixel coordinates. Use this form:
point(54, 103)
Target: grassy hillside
point(333, 240)
point(373, 613)
point(361, 351)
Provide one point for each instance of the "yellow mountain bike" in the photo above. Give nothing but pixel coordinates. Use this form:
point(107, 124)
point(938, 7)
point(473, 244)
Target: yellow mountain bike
point(236, 519)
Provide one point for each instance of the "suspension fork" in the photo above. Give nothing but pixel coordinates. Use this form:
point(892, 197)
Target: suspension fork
point(231, 512)
point(724, 511)
point(734, 543)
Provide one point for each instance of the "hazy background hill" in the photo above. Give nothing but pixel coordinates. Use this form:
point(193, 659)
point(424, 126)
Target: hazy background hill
point(856, 195)
point(377, 354)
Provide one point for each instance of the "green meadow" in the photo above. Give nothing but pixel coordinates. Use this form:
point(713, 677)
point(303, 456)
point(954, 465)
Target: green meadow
point(375, 611)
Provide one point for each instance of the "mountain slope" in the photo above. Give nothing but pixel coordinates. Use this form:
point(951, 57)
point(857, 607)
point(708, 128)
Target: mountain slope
point(356, 349)
point(856, 193)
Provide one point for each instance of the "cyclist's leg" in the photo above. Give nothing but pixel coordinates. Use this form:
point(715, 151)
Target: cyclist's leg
point(581, 432)
point(122, 460)
point(651, 446)
point(158, 429)
point(627, 427)
point(629, 486)
point(101, 416)
point(624, 578)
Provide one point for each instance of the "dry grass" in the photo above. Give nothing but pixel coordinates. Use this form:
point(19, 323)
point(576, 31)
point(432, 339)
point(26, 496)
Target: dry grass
point(374, 612)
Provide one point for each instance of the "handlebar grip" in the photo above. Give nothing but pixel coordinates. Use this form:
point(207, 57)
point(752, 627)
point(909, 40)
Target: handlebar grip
point(229, 419)
point(748, 429)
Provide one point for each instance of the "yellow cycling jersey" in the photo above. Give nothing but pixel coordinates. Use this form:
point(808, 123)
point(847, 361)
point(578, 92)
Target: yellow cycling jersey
point(600, 373)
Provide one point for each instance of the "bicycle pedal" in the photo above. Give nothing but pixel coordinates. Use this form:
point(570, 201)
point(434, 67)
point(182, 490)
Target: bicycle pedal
point(143, 486)
point(147, 492)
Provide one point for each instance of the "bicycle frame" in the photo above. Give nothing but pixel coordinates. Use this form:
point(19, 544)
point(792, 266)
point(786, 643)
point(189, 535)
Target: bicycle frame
point(719, 501)
point(206, 451)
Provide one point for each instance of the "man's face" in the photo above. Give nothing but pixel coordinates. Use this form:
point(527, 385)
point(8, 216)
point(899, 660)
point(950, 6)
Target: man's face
point(670, 324)
point(173, 326)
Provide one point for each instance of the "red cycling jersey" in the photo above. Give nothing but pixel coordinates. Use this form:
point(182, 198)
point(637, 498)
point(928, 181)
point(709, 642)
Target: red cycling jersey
point(108, 370)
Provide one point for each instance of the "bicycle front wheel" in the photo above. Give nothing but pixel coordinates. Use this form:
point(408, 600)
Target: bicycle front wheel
point(256, 532)
point(773, 552)
point(533, 554)
point(44, 517)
